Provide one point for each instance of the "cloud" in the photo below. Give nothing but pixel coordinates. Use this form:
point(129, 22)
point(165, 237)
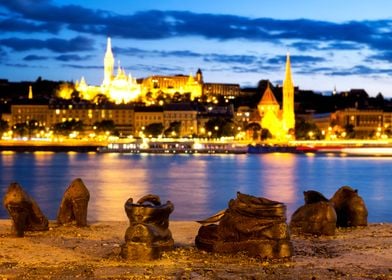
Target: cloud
point(153, 24)
point(242, 59)
point(324, 46)
point(78, 43)
point(145, 52)
point(383, 56)
point(297, 59)
point(158, 69)
point(33, 57)
point(77, 66)
point(3, 55)
point(207, 57)
point(24, 65)
point(304, 35)
point(21, 25)
point(73, 57)
point(360, 70)
point(45, 11)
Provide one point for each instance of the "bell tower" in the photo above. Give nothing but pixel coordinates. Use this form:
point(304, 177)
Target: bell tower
point(288, 98)
point(108, 64)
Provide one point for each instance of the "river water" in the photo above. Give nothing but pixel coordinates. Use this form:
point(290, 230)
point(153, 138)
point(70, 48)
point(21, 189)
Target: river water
point(198, 185)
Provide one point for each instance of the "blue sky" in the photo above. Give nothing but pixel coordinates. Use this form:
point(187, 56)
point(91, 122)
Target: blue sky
point(343, 44)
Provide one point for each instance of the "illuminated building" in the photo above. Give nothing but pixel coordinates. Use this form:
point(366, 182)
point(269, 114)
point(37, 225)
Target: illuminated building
point(120, 88)
point(171, 85)
point(183, 113)
point(21, 113)
point(365, 123)
point(216, 89)
point(145, 116)
point(280, 123)
point(270, 113)
point(123, 88)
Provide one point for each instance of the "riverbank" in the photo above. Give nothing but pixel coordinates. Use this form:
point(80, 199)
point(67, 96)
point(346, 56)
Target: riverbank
point(93, 253)
point(21, 146)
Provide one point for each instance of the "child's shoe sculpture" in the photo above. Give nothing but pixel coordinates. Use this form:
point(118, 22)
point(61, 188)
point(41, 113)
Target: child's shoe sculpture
point(148, 234)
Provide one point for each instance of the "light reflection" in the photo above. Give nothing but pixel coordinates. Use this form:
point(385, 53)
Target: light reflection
point(7, 152)
point(183, 190)
point(279, 182)
point(43, 184)
point(198, 185)
point(114, 184)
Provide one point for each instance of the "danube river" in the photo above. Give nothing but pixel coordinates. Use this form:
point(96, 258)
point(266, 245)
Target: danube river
point(198, 185)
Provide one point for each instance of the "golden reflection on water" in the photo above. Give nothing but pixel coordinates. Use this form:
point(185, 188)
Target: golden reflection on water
point(279, 180)
point(7, 159)
point(198, 190)
point(116, 185)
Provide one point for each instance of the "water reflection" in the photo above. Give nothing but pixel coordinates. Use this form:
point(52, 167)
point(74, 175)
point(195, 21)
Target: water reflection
point(198, 185)
point(279, 181)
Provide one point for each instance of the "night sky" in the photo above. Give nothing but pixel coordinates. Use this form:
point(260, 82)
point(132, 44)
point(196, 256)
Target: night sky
point(343, 44)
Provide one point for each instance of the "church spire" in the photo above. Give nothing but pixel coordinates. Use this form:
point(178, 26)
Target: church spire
point(108, 64)
point(288, 99)
point(30, 92)
point(287, 77)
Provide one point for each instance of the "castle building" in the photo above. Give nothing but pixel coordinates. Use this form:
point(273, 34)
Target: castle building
point(279, 122)
point(122, 88)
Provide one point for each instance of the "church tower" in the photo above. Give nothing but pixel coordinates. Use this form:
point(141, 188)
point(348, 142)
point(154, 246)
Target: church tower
point(288, 98)
point(108, 64)
point(199, 76)
point(30, 92)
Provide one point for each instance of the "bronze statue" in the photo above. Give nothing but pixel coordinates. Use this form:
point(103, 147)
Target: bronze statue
point(148, 234)
point(24, 211)
point(317, 216)
point(253, 225)
point(350, 208)
point(73, 207)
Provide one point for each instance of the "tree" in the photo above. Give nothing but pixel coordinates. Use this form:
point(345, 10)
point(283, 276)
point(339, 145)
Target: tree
point(3, 126)
point(306, 130)
point(27, 128)
point(32, 127)
point(105, 126)
point(350, 132)
point(65, 128)
point(220, 126)
point(173, 130)
point(153, 130)
point(255, 129)
point(19, 129)
point(265, 134)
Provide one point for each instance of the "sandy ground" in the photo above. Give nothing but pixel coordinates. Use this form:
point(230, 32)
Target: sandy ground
point(93, 253)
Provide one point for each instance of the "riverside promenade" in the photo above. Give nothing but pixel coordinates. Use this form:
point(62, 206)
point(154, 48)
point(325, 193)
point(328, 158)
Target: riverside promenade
point(54, 146)
point(68, 252)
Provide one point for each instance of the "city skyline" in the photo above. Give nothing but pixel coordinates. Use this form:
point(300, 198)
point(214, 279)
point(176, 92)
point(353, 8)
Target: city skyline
point(332, 45)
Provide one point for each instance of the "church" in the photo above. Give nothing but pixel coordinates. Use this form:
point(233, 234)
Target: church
point(280, 122)
point(123, 88)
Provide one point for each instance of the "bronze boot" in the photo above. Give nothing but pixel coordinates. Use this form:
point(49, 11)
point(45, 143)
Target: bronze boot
point(24, 211)
point(148, 234)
